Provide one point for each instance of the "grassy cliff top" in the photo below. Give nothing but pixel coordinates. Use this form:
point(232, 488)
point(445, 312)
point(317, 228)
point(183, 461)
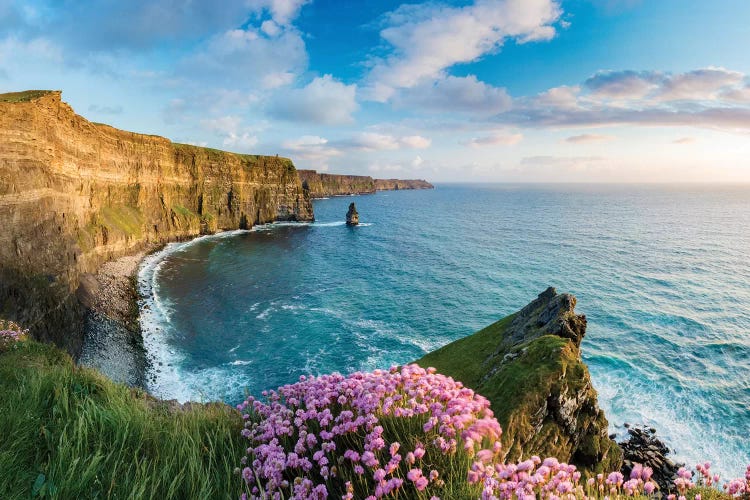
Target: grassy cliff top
point(69, 432)
point(25, 96)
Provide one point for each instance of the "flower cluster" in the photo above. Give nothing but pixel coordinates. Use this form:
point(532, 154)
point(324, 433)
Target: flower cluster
point(740, 487)
point(9, 338)
point(366, 435)
point(412, 433)
point(550, 479)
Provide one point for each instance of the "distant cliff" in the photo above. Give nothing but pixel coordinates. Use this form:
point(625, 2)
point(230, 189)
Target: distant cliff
point(529, 366)
point(396, 184)
point(74, 194)
point(323, 185)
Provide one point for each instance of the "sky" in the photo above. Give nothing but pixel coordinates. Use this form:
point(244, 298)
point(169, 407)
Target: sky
point(449, 91)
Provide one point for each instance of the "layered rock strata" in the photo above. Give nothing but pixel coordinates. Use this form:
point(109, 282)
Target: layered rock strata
point(75, 194)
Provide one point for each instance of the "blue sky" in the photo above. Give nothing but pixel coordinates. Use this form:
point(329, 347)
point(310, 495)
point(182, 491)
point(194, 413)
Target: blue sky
point(470, 90)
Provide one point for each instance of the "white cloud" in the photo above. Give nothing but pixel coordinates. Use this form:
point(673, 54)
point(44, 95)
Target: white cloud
point(373, 141)
point(427, 39)
point(709, 97)
point(282, 11)
point(234, 134)
point(416, 142)
point(249, 58)
point(455, 95)
point(588, 138)
point(417, 162)
point(737, 95)
point(623, 84)
point(494, 139)
point(564, 97)
point(701, 84)
point(313, 150)
point(325, 100)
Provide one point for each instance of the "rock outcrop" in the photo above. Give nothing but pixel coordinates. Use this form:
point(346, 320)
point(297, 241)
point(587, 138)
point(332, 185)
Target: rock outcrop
point(352, 217)
point(644, 448)
point(529, 366)
point(319, 185)
point(74, 194)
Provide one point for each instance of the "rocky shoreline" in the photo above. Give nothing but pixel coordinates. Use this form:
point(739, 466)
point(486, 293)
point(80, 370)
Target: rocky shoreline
point(112, 342)
point(644, 448)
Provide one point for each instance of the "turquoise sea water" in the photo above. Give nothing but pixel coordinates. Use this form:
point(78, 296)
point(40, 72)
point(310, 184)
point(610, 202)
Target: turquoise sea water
point(662, 273)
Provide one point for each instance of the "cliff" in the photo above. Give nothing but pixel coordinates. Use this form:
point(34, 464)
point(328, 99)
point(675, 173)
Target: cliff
point(396, 184)
point(529, 366)
point(323, 185)
point(75, 194)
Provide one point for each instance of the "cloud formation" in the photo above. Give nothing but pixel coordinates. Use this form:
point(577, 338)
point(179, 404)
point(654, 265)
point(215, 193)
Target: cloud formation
point(324, 100)
point(709, 97)
point(588, 138)
point(453, 94)
point(427, 39)
point(494, 139)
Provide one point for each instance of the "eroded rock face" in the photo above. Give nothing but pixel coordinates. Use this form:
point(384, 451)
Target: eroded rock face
point(529, 366)
point(74, 194)
point(352, 217)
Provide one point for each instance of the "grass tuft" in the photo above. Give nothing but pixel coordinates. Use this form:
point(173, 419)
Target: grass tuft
point(69, 432)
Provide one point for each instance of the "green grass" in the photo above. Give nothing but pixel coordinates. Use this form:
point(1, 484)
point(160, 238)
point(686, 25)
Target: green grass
point(126, 219)
point(183, 212)
point(518, 379)
point(25, 96)
point(67, 432)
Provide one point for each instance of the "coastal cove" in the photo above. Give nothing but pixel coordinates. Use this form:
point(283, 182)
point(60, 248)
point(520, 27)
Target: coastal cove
point(258, 308)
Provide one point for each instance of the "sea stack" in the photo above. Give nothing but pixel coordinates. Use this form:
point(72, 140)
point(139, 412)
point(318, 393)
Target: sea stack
point(352, 217)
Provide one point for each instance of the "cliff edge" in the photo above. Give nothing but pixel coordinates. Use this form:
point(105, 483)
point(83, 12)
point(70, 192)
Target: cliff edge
point(75, 194)
point(529, 366)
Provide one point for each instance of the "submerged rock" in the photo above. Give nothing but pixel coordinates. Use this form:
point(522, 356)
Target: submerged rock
point(529, 366)
point(352, 217)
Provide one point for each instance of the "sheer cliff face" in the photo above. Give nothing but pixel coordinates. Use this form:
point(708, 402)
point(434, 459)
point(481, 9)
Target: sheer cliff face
point(323, 185)
point(74, 194)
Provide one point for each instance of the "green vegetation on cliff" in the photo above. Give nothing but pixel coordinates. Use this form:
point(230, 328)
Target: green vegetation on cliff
point(529, 366)
point(25, 96)
point(68, 432)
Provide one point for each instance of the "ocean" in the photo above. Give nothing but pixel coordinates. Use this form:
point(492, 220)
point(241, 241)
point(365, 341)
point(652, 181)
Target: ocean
point(661, 272)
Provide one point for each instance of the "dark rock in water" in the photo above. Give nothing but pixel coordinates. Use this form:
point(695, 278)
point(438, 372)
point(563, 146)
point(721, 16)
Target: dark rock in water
point(352, 217)
point(643, 447)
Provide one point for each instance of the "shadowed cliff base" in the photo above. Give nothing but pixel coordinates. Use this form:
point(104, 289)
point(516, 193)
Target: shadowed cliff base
point(319, 185)
point(77, 194)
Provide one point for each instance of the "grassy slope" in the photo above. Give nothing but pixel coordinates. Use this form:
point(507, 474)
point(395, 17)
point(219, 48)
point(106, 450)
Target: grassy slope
point(25, 96)
point(71, 433)
point(547, 364)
